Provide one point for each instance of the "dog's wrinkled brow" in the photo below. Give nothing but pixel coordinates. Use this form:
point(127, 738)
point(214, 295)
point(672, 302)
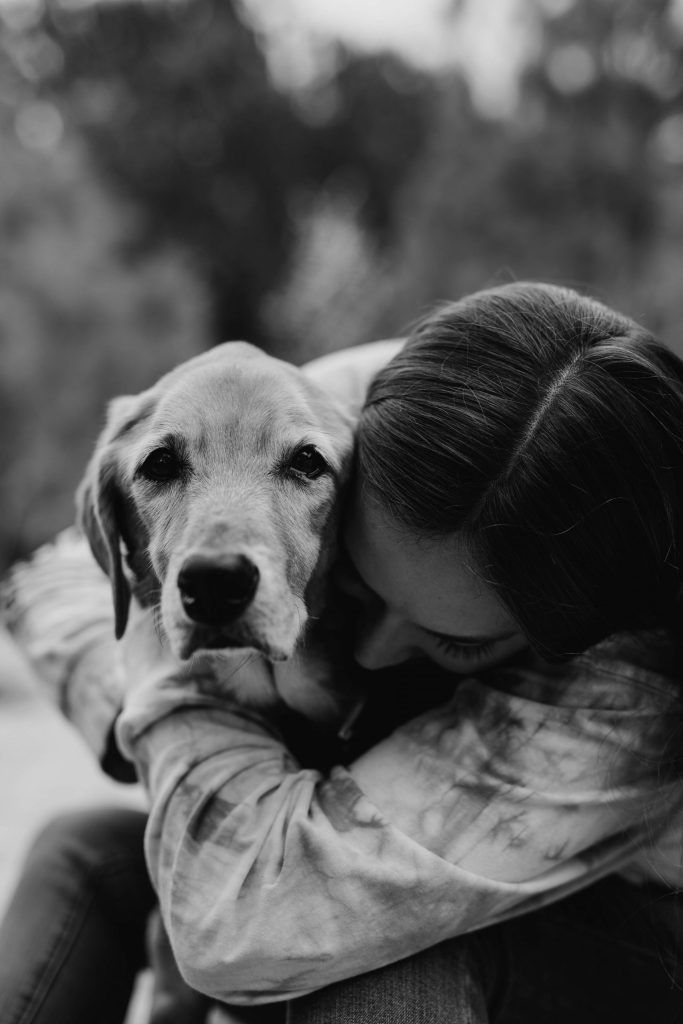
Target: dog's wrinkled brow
point(172, 441)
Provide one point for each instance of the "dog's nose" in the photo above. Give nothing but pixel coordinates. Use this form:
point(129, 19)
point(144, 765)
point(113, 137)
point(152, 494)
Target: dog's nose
point(214, 593)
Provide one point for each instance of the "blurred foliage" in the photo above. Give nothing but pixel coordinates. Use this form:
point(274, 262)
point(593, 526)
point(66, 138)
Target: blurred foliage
point(160, 190)
point(178, 108)
point(78, 324)
point(150, 176)
point(582, 185)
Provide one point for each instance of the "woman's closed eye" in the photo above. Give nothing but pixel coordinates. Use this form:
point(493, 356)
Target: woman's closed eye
point(468, 652)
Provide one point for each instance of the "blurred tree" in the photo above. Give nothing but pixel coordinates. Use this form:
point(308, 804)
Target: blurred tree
point(379, 114)
point(335, 287)
point(606, 84)
point(176, 101)
point(570, 188)
point(78, 324)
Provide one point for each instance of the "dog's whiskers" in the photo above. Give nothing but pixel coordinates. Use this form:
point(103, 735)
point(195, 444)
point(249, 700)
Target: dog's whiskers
point(249, 657)
point(242, 664)
point(158, 623)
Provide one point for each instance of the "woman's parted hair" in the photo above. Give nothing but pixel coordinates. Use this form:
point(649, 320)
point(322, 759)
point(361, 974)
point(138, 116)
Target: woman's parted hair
point(547, 430)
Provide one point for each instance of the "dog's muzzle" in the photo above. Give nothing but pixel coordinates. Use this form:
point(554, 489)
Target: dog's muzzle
point(215, 593)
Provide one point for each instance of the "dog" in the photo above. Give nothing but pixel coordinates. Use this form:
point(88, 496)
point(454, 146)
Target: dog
point(214, 497)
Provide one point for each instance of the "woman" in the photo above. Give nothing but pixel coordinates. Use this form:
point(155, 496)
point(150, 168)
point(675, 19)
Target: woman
point(516, 522)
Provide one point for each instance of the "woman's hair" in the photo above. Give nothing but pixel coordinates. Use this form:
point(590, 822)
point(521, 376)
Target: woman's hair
point(547, 431)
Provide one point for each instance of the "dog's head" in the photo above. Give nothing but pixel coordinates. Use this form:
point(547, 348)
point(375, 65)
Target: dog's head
point(215, 495)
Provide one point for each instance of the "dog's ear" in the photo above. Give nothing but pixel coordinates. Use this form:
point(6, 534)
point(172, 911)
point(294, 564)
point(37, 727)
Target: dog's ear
point(100, 502)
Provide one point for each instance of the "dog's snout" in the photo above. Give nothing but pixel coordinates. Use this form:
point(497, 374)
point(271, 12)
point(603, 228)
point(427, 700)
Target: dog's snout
point(214, 593)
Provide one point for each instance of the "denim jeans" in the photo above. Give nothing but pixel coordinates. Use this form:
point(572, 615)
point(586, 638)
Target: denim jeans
point(612, 953)
point(72, 943)
point(73, 938)
point(442, 985)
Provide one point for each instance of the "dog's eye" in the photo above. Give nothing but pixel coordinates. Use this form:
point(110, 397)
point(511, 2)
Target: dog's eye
point(161, 466)
point(307, 463)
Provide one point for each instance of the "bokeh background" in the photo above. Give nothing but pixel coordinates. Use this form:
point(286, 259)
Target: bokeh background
point(307, 175)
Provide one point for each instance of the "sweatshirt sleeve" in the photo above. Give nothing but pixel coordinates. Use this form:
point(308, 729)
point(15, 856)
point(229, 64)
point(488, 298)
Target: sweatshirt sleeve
point(57, 607)
point(347, 373)
point(276, 880)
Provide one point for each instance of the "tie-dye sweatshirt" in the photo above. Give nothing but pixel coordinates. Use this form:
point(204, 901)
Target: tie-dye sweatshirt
point(516, 788)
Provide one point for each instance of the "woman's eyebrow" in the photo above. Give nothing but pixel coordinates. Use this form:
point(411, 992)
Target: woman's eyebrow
point(471, 641)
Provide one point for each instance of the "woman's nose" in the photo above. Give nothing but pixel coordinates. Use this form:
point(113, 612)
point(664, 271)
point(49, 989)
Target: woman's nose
point(382, 641)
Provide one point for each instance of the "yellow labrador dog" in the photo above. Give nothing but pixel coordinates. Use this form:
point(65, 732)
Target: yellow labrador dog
point(213, 496)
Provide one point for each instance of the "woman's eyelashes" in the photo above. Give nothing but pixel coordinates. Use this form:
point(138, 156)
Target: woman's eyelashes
point(466, 652)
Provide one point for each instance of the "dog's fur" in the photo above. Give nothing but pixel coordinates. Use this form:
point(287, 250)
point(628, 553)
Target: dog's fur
point(233, 420)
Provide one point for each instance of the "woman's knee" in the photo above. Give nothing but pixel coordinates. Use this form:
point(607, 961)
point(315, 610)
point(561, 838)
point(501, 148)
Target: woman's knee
point(92, 836)
point(99, 850)
point(447, 982)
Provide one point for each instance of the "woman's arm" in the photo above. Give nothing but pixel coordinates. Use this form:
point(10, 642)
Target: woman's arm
point(275, 880)
point(57, 607)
